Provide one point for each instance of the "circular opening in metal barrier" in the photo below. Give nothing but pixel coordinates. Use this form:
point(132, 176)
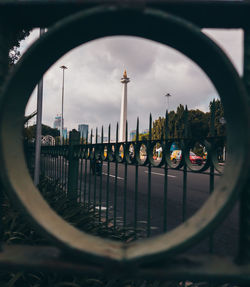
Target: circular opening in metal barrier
point(142, 154)
point(130, 153)
point(197, 156)
point(150, 24)
point(156, 154)
point(105, 153)
point(121, 152)
point(173, 156)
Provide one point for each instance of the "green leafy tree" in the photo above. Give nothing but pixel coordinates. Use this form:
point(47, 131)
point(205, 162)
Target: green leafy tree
point(30, 132)
point(158, 129)
point(198, 123)
point(179, 122)
point(219, 121)
point(10, 44)
point(15, 39)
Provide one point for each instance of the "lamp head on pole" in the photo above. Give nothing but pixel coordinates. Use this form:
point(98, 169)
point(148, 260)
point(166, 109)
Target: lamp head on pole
point(168, 95)
point(63, 67)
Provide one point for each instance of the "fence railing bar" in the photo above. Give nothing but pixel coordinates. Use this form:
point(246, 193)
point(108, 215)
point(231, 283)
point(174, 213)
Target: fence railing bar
point(65, 171)
point(54, 165)
point(117, 154)
point(125, 182)
point(211, 177)
point(51, 166)
point(81, 175)
point(95, 170)
point(100, 187)
point(107, 185)
point(164, 152)
point(57, 164)
point(184, 194)
point(136, 180)
point(91, 155)
point(85, 170)
point(149, 180)
point(60, 166)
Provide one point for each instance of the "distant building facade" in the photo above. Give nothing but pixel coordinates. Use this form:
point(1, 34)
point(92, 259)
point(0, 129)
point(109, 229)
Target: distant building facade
point(132, 134)
point(57, 122)
point(57, 125)
point(65, 133)
point(83, 129)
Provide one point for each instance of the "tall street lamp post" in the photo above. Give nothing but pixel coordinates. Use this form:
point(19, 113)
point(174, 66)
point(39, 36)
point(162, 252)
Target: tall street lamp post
point(61, 136)
point(167, 96)
point(38, 125)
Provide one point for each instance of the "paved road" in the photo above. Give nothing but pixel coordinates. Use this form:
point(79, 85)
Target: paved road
point(225, 237)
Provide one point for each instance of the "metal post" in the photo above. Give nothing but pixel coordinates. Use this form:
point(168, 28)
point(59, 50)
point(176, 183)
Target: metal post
point(74, 139)
point(4, 50)
point(244, 240)
point(61, 136)
point(167, 96)
point(38, 125)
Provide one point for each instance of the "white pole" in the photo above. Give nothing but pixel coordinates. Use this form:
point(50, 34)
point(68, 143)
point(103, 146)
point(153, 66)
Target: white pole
point(123, 117)
point(38, 125)
point(61, 137)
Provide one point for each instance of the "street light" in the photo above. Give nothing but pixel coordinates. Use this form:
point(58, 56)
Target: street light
point(168, 96)
point(38, 125)
point(61, 137)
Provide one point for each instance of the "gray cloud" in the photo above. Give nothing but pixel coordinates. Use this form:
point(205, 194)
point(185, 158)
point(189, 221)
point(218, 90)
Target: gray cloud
point(93, 88)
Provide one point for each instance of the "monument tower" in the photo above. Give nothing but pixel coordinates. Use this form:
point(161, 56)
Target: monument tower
point(123, 118)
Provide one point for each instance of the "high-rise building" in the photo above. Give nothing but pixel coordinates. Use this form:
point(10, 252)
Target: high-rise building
point(57, 125)
point(132, 134)
point(83, 129)
point(57, 122)
point(65, 133)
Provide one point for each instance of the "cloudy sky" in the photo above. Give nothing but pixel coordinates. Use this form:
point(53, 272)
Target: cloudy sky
point(92, 81)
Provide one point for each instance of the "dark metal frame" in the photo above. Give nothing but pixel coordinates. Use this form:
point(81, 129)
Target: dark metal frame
point(178, 33)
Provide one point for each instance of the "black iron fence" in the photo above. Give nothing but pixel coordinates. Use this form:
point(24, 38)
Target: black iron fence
point(115, 178)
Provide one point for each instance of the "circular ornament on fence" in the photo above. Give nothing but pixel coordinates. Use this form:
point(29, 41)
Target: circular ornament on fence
point(150, 24)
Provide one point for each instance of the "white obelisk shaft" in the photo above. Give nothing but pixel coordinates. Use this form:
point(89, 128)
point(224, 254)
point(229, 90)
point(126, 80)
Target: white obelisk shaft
point(123, 117)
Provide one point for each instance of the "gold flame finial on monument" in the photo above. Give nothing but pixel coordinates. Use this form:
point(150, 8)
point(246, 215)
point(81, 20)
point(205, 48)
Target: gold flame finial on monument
point(125, 74)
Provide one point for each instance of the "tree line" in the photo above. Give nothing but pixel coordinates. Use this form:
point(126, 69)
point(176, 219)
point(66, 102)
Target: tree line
point(30, 132)
point(199, 124)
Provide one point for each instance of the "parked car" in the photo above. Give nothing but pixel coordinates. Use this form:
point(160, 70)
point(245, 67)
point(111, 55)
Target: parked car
point(194, 159)
point(175, 156)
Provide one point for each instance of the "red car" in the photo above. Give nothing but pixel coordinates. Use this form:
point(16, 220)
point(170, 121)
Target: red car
point(195, 159)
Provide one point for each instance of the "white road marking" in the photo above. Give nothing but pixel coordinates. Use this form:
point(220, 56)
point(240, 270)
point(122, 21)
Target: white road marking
point(102, 207)
point(162, 174)
point(112, 175)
